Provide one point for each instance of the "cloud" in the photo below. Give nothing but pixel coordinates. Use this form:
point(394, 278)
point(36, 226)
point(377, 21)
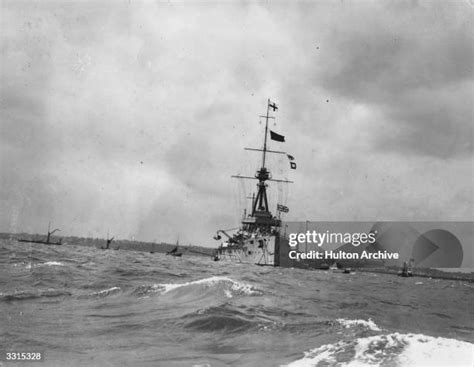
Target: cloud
point(412, 64)
point(131, 117)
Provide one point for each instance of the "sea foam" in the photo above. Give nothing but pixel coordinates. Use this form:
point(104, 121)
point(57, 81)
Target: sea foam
point(369, 324)
point(393, 349)
point(53, 263)
point(106, 292)
point(230, 286)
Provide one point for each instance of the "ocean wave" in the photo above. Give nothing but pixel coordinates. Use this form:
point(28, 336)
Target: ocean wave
point(26, 295)
point(227, 286)
point(231, 286)
point(106, 292)
point(102, 293)
point(29, 265)
point(228, 319)
point(369, 324)
point(226, 324)
point(393, 349)
point(52, 263)
point(22, 264)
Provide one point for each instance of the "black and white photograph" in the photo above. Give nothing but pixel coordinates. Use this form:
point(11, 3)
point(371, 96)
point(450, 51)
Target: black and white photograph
point(237, 183)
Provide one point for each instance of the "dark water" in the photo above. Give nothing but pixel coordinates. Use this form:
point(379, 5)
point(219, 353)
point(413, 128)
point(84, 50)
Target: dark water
point(82, 306)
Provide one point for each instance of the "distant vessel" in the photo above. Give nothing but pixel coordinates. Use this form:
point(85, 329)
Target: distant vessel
point(109, 242)
point(48, 238)
point(174, 252)
point(407, 270)
point(257, 240)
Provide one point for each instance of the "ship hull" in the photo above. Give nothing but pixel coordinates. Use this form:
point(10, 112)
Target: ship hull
point(42, 242)
point(256, 250)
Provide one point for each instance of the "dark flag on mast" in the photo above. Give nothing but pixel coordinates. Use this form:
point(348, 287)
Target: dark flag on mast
point(276, 137)
point(273, 106)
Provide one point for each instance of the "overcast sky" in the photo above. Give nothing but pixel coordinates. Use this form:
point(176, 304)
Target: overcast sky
point(129, 117)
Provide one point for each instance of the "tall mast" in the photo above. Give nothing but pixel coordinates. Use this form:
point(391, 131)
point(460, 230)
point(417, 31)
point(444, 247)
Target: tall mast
point(266, 133)
point(261, 215)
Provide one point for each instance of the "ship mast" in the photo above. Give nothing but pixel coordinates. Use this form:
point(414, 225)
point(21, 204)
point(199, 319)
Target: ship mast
point(266, 133)
point(261, 217)
point(261, 201)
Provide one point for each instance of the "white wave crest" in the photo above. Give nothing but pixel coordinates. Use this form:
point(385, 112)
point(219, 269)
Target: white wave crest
point(53, 263)
point(27, 265)
point(395, 349)
point(231, 286)
point(369, 324)
point(106, 292)
point(30, 265)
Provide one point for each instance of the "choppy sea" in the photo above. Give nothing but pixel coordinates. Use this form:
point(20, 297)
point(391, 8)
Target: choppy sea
point(82, 306)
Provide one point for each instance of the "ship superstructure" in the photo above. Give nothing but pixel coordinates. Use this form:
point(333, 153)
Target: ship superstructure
point(256, 241)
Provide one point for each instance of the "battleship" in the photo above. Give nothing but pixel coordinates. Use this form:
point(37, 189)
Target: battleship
point(257, 240)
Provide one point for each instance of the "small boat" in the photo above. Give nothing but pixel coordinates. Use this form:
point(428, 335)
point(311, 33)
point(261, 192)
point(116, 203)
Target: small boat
point(48, 238)
point(324, 266)
point(406, 270)
point(59, 243)
point(174, 252)
point(405, 274)
point(109, 241)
